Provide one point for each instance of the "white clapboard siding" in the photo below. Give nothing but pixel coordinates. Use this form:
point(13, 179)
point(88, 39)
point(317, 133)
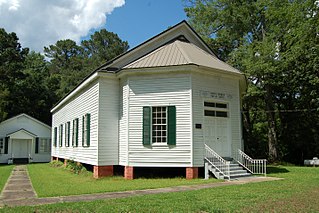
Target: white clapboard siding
point(108, 121)
point(123, 122)
point(202, 87)
point(86, 101)
point(160, 90)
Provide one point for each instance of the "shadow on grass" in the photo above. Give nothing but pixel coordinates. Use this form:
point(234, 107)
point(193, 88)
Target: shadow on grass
point(276, 170)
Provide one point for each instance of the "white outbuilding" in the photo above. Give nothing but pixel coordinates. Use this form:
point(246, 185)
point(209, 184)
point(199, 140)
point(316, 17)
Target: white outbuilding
point(156, 105)
point(24, 139)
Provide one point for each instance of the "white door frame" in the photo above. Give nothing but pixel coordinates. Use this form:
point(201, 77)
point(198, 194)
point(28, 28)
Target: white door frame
point(225, 150)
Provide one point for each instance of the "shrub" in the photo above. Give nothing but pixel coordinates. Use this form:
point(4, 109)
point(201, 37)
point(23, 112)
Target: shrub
point(75, 167)
point(56, 163)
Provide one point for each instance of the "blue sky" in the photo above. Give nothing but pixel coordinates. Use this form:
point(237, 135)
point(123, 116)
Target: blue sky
point(40, 23)
point(139, 20)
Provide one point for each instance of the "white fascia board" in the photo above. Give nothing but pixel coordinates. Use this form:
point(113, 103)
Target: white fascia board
point(180, 68)
point(156, 70)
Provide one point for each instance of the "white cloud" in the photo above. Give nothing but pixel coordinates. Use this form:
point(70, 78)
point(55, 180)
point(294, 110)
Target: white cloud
point(40, 23)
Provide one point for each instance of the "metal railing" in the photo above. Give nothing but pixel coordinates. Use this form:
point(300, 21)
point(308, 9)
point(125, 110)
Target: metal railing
point(254, 166)
point(219, 163)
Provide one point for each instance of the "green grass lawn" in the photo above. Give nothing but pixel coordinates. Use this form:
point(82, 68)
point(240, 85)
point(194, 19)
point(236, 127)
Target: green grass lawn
point(5, 171)
point(49, 181)
point(297, 192)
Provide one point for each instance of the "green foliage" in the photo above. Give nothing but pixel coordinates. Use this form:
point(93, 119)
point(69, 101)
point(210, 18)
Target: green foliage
point(103, 46)
point(276, 45)
point(56, 164)
point(12, 57)
point(75, 167)
point(32, 84)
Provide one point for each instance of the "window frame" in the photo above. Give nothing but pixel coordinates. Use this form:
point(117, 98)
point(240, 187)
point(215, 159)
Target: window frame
point(149, 125)
point(60, 135)
point(86, 126)
point(67, 134)
point(160, 126)
point(75, 132)
point(44, 146)
point(216, 109)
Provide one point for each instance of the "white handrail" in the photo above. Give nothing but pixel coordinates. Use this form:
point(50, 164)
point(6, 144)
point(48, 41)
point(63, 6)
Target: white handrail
point(219, 163)
point(254, 166)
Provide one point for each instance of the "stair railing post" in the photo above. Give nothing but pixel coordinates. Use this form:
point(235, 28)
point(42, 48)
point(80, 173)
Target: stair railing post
point(206, 171)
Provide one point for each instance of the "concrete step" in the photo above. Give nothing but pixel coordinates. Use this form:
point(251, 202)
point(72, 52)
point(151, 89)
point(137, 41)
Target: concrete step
point(241, 171)
point(235, 176)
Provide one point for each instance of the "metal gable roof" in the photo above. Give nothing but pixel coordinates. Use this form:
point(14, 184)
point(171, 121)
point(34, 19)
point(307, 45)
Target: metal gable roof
point(179, 52)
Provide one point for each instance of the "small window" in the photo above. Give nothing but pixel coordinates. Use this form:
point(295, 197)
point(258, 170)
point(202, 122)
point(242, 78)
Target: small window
point(220, 105)
point(86, 130)
point(44, 146)
point(209, 104)
point(55, 137)
point(216, 109)
point(209, 113)
point(221, 114)
point(75, 133)
point(61, 135)
point(67, 134)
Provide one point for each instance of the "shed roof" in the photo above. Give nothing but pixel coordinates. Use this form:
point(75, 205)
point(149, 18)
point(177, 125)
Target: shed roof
point(180, 52)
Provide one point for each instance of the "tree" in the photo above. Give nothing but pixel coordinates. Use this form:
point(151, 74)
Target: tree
point(12, 57)
point(276, 44)
point(103, 46)
point(67, 66)
point(33, 94)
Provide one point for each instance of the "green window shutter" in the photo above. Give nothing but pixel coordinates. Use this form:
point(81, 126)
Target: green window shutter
point(67, 141)
point(6, 145)
point(61, 135)
point(73, 132)
point(36, 145)
point(146, 125)
point(82, 130)
point(88, 122)
point(77, 132)
point(55, 136)
point(171, 125)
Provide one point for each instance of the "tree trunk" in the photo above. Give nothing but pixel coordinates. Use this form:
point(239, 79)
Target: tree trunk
point(272, 134)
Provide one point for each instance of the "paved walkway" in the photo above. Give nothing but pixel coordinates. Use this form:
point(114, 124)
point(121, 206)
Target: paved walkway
point(19, 191)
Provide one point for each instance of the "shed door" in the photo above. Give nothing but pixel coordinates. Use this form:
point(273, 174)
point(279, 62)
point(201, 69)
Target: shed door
point(216, 127)
point(20, 148)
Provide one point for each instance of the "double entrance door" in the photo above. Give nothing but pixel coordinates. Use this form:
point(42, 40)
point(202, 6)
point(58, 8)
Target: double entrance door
point(217, 134)
point(21, 148)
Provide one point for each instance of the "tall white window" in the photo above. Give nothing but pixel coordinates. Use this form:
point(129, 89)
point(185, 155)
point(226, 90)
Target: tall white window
point(60, 135)
point(86, 130)
point(159, 124)
point(67, 134)
point(75, 132)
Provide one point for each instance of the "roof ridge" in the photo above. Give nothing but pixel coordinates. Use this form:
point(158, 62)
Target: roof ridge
point(180, 49)
point(148, 55)
point(211, 55)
